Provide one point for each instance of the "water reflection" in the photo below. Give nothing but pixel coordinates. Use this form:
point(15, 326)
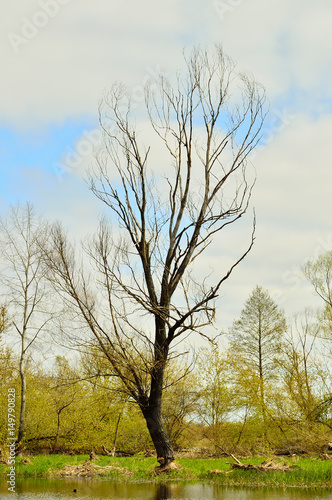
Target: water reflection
point(43, 489)
point(163, 492)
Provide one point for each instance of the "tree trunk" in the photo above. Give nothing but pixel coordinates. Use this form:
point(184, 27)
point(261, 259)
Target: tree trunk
point(21, 426)
point(57, 432)
point(263, 408)
point(159, 436)
point(261, 376)
point(152, 408)
point(116, 433)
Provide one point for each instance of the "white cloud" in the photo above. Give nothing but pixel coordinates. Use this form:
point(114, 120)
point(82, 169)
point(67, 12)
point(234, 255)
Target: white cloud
point(295, 175)
point(282, 43)
point(62, 70)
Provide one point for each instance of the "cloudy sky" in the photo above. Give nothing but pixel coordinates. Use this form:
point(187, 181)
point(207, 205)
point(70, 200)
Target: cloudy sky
point(59, 56)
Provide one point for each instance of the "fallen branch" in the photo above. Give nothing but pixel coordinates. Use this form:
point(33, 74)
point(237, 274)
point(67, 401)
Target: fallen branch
point(236, 459)
point(108, 453)
point(117, 453)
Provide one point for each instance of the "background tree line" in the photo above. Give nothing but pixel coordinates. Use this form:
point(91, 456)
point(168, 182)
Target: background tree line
point(268, 388)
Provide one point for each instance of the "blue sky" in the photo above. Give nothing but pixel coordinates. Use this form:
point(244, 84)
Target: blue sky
point(60, 56)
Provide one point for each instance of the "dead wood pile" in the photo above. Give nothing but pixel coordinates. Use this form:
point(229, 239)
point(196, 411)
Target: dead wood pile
point(89, 470)
point(266, 466)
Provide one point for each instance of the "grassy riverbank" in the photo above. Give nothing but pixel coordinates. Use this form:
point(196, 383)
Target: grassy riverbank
point(306, 472)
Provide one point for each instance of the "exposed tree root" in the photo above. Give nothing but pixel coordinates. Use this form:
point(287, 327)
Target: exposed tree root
point(167, 468)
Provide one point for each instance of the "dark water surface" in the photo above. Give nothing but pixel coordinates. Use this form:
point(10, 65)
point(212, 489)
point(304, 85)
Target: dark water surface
point(43, 489)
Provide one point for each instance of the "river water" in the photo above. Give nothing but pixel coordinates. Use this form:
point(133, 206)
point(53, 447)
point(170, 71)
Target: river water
point(43, 489)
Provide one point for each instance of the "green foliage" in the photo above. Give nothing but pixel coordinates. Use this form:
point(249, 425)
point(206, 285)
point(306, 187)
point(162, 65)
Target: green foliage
point(218, 403)
point(4, 319)
point(180, 402)
point(256, 340)
point(257, 334)
point(8, 380)
point(77, 406)
point(66, 413)
point(270, 389)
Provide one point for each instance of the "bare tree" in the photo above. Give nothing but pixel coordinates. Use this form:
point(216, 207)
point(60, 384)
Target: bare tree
point(319, 273)
point(23, 278)
point(145, 298)
point(300, 366)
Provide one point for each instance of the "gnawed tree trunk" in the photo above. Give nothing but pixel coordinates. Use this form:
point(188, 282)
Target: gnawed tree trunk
point(159, 436)
point(152, 410)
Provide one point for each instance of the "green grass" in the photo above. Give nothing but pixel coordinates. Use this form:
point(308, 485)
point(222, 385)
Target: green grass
point(308, 472)
point(41, 465)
